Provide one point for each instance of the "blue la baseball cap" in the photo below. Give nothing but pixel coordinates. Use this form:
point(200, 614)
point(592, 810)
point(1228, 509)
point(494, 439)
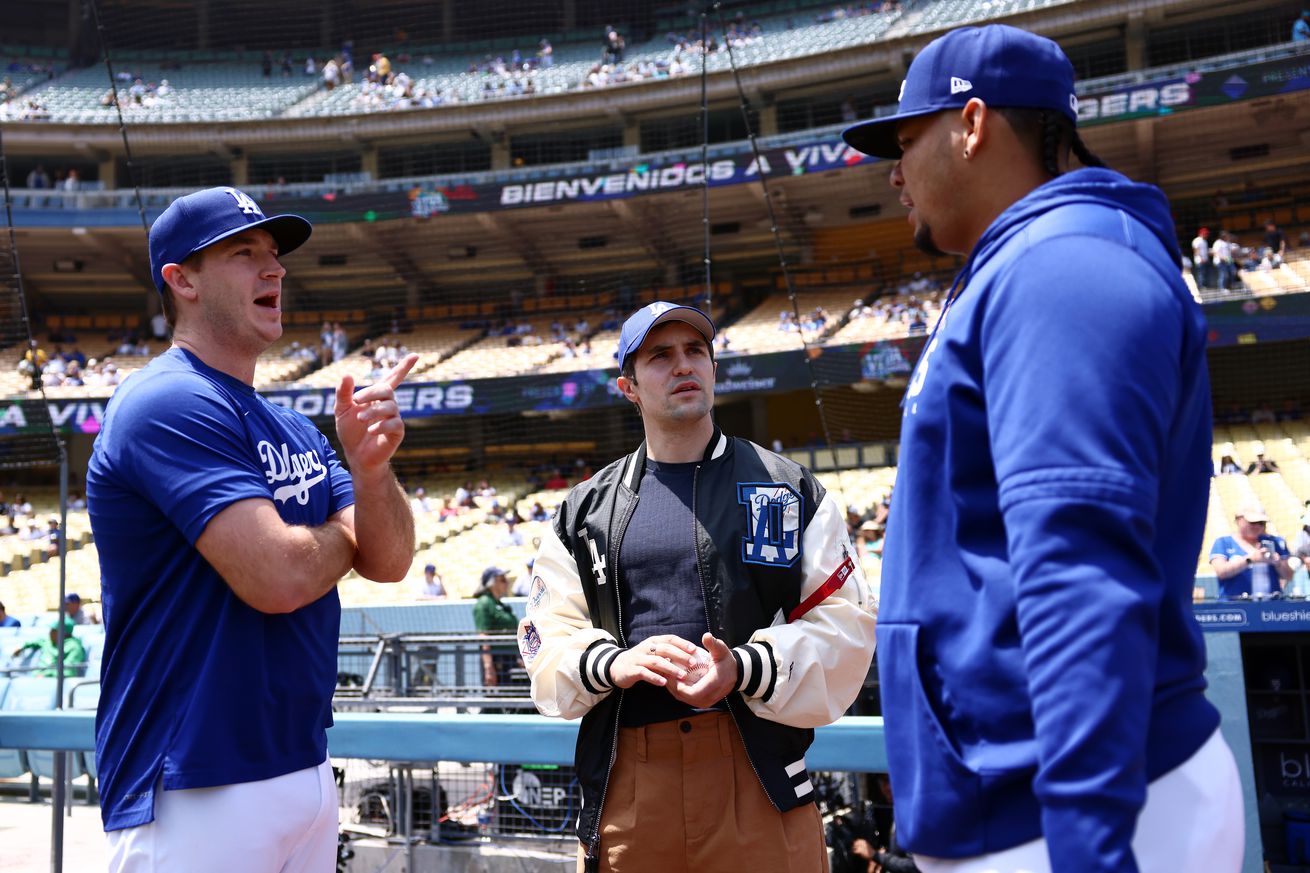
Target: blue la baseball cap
point(1001, 65)
point(639, 324)
point(201, 219)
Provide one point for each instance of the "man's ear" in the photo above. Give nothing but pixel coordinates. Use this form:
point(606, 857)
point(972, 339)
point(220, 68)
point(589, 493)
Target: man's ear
point(628, 387)
point(975, 120)
point(176, 277)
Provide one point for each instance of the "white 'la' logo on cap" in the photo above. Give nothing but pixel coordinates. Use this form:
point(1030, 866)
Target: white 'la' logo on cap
point(244, 203)
point(959, 85)
point(901, 96)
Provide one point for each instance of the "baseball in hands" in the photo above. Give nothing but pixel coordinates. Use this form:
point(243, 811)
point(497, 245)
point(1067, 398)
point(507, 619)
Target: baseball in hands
point(700, 666)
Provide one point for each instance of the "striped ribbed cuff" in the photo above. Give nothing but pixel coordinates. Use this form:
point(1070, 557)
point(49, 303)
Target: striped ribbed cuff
point(757, 674)
point(594, 668)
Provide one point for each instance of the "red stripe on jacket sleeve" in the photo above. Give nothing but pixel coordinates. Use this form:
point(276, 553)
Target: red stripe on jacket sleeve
point(835, 581)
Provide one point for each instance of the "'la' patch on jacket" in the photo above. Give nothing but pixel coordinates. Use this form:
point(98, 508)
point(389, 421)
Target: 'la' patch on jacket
point(773, 519)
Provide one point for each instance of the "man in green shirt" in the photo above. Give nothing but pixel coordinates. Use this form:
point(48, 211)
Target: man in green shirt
point(47, 649)
point(492, 615)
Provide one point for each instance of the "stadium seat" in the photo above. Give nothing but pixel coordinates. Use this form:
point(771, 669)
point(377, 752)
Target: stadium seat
point(85, 695)
point(25, 693)
point(29, 693)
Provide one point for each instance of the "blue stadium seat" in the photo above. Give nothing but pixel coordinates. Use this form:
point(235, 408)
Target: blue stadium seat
point(93, 640)
point(24, 693)
point(29, 693)
point(85, 695)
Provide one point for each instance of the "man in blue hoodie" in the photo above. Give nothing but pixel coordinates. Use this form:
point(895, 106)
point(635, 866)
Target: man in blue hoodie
point(1042, 673)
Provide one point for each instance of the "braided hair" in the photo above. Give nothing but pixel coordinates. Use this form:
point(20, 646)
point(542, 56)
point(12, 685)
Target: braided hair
point(1054, 133)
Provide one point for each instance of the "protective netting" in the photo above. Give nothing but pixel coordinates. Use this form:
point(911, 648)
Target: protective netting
point(29, 438)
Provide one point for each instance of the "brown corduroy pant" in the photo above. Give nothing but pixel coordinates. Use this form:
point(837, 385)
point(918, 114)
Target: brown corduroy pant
point(683, 798)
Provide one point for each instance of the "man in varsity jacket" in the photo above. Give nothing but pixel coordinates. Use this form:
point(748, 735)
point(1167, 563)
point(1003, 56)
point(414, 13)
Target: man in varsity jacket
point(697, 603)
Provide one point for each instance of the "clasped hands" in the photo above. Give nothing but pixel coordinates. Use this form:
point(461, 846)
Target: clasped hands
point(699, 677)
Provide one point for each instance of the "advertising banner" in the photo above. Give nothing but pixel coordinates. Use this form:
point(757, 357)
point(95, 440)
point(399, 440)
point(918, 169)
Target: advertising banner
point(1195, 90)
point(1258, 319)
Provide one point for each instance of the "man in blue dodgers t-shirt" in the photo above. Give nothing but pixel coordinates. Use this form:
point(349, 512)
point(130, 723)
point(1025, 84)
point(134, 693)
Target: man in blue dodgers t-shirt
point(223, 523)
point(1041, 669)
point(1253, 562)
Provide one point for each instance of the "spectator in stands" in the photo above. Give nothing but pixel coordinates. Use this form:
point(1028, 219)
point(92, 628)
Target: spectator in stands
point(1059, 594)
point(1228, 464)
point(224, 523)
point(557, 481)
point(511, 537)
point(538, 512)
point(331, 74)
point(613, 46)
point(464, 496)
point(432, 588)
point(73, 608)
point(1301, 27)
point(1225, 262)
point(421, 503)
point(159, 326)
point(447, 510)
point(1301, 552)
point(52, 536)
point(38, 178)
point(869, 539)
point(47, 651)
point(1301, 545)
point(266, 64)
point(7, 620)
point(1250, 562)
point(1275, 243)
point(340, 341)
point(33, 363)
point(695, 730)
point(1261, 464)
point(1201, 267)
point(311, 68)
point(492, 616)
point(545, 54)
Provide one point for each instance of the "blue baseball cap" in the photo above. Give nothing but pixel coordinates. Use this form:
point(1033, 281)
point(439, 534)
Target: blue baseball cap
point(197, 220)
point(639, 324)
point(1001, 65)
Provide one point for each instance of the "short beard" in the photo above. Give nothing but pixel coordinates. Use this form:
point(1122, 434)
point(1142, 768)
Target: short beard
point(924, 242)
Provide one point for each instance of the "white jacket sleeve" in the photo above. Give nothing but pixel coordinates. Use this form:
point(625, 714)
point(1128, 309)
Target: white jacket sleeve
point(807, 668)
point(566, 657)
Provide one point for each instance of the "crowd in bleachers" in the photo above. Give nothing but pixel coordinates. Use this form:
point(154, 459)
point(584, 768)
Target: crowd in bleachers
point(224, 85)
point(70, 368)
point(1219, 261)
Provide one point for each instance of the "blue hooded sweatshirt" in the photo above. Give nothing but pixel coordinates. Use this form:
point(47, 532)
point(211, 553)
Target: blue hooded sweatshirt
point(1039, 660)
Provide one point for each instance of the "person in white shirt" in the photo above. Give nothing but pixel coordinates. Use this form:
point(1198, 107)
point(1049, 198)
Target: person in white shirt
point(432, 588)
point(1221, 254)
point(1201, 271)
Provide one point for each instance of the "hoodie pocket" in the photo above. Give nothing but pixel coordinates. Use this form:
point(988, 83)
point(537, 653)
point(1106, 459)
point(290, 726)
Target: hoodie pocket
point(938, 797)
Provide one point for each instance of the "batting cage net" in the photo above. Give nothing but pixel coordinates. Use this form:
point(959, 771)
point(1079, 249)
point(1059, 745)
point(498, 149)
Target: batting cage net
point(496, 187)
